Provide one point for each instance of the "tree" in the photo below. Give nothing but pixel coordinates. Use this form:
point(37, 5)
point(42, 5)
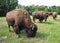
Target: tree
point(7, 5)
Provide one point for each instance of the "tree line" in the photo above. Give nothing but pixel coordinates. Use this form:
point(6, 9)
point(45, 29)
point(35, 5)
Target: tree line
point(7, 5)
point(33, 8)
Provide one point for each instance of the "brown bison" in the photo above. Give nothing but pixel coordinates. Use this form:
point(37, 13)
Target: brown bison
point(53, 14)
point(41, 15)
point(20, 19)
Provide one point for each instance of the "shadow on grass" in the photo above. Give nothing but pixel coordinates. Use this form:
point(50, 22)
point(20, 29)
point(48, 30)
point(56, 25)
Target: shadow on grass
point(38, 35)
point(42, 35)
point(46, 22)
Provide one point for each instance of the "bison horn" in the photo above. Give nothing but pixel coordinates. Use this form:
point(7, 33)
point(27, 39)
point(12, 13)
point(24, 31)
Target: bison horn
point(32, 27)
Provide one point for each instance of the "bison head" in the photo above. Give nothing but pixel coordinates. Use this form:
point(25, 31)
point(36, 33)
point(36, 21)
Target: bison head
point(32, 31)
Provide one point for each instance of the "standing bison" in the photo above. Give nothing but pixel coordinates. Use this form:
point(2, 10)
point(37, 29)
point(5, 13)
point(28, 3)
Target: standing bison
point(53, 14)
point(41, 15)
point(20, 19)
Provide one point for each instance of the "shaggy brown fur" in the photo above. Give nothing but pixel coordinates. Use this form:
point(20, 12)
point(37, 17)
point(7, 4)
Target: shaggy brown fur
point(53, 14)
point(41, 15)
point(20, 19)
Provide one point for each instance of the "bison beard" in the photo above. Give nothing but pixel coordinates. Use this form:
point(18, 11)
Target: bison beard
point(19, 20)
point(32, 32)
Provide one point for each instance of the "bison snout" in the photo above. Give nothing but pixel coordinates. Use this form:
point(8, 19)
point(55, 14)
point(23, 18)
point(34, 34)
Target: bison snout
point(33, 31)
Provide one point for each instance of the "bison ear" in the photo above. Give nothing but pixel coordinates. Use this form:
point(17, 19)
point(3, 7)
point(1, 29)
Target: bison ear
point(33, 27)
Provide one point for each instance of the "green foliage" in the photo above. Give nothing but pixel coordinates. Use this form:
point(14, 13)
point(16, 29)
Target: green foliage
point(7, 5)
point(33, 8)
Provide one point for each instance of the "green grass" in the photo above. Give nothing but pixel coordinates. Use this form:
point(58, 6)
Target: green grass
point(48, 32)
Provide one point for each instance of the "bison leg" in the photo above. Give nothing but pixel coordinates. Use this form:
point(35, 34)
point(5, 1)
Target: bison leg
point(54, 18)
point(17, 31)
point(33, 19)
point(13, 28)
point(40, 20)
point(45, 19)
point(9, 28)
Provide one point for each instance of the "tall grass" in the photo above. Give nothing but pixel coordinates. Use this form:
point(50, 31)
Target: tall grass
point(48, 32)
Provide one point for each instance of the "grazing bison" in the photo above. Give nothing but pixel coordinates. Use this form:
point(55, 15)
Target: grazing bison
point(53, 14)
point(20, 19)
point(41, 15)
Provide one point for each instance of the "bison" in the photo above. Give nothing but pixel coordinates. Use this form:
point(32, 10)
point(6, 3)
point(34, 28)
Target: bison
point(20, 19)
point(41, 15)
point(53, 14)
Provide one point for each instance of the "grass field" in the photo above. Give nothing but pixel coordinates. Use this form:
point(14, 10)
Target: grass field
point(48, 32)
